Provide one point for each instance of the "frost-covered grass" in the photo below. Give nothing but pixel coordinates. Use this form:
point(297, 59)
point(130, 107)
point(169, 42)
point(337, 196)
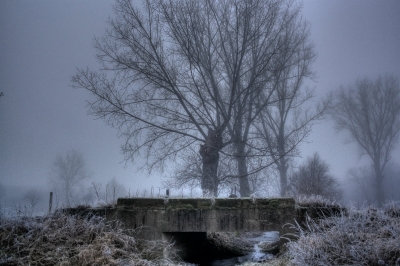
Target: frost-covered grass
point(314, 200)
point(69, 240)
point(280, 261)
point(366, 237)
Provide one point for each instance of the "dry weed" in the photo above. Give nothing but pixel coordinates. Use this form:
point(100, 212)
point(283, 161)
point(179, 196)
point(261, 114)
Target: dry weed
point(70, 240)
point(368, 237)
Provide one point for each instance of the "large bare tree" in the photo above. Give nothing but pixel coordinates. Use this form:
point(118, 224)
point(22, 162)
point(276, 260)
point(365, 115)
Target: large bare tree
point(370, 111)
point(173, 72)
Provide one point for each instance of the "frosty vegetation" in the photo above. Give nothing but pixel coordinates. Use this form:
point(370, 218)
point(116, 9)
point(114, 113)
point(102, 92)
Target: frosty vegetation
point(70, 240)
point(355, 237)
point(360, 237)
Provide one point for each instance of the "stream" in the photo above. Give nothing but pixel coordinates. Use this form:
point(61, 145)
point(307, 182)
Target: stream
point(257, 255)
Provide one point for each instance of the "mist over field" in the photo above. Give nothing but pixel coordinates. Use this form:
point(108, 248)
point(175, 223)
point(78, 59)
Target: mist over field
point(47, 125)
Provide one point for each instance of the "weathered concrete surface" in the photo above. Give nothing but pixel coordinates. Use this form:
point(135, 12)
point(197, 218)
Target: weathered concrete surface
point(154, 216)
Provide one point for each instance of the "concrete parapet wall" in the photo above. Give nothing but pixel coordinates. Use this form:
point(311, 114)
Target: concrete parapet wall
point(154, 216)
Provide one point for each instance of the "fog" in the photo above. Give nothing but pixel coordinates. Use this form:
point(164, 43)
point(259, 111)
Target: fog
point(42, 43)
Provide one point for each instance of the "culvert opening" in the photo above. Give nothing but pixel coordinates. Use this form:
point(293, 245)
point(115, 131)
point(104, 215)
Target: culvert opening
point(197, 247)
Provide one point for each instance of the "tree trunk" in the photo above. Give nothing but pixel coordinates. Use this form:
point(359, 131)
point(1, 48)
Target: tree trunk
point(244, 187)
point(380, 196)
point(282, 163)
point(282, 168)
point(210, 157)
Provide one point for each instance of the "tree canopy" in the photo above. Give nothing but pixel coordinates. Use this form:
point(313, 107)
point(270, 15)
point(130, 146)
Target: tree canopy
point(181, 73)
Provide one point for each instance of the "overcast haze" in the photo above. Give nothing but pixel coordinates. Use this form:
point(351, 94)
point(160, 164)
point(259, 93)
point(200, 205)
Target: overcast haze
point(43, 42)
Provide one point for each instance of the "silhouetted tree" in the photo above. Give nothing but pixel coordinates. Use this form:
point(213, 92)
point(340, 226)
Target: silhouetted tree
point(313, 178)
point(32, 197)
point(364, 179)
point(67, 172)
point(370, 111)
point(282, 86)
point(287, 121)
point(179, 73)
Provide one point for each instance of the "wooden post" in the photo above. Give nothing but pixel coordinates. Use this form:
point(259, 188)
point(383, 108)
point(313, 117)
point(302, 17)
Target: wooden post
point(50, 202)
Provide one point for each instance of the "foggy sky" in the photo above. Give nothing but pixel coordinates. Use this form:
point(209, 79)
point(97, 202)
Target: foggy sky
point(43, 42)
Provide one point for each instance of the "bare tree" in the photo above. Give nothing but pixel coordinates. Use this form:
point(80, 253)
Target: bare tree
point(33, 197)
point(370, 111)
point(293, 50)
point(172, 75)
point(288, 120)
point(313, 178)
point(68, 171)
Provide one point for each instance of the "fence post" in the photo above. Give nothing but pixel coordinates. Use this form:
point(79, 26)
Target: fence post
point(50, 202)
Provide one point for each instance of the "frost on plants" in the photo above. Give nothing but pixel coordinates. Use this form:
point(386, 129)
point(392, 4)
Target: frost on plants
point(69, 240)
point(367, 237)
point(314, 200)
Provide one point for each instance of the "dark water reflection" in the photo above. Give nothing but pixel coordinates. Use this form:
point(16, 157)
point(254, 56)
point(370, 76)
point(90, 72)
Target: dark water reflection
point(256, 255)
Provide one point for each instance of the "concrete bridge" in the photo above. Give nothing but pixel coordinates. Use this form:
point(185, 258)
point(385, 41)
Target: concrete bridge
point(186, 221)
point(159, 215)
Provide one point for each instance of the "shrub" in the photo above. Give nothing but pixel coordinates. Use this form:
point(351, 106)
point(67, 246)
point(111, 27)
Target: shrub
point(368, 237)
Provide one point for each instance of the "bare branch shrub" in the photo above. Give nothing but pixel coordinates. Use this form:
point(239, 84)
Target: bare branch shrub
point(313, 178)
